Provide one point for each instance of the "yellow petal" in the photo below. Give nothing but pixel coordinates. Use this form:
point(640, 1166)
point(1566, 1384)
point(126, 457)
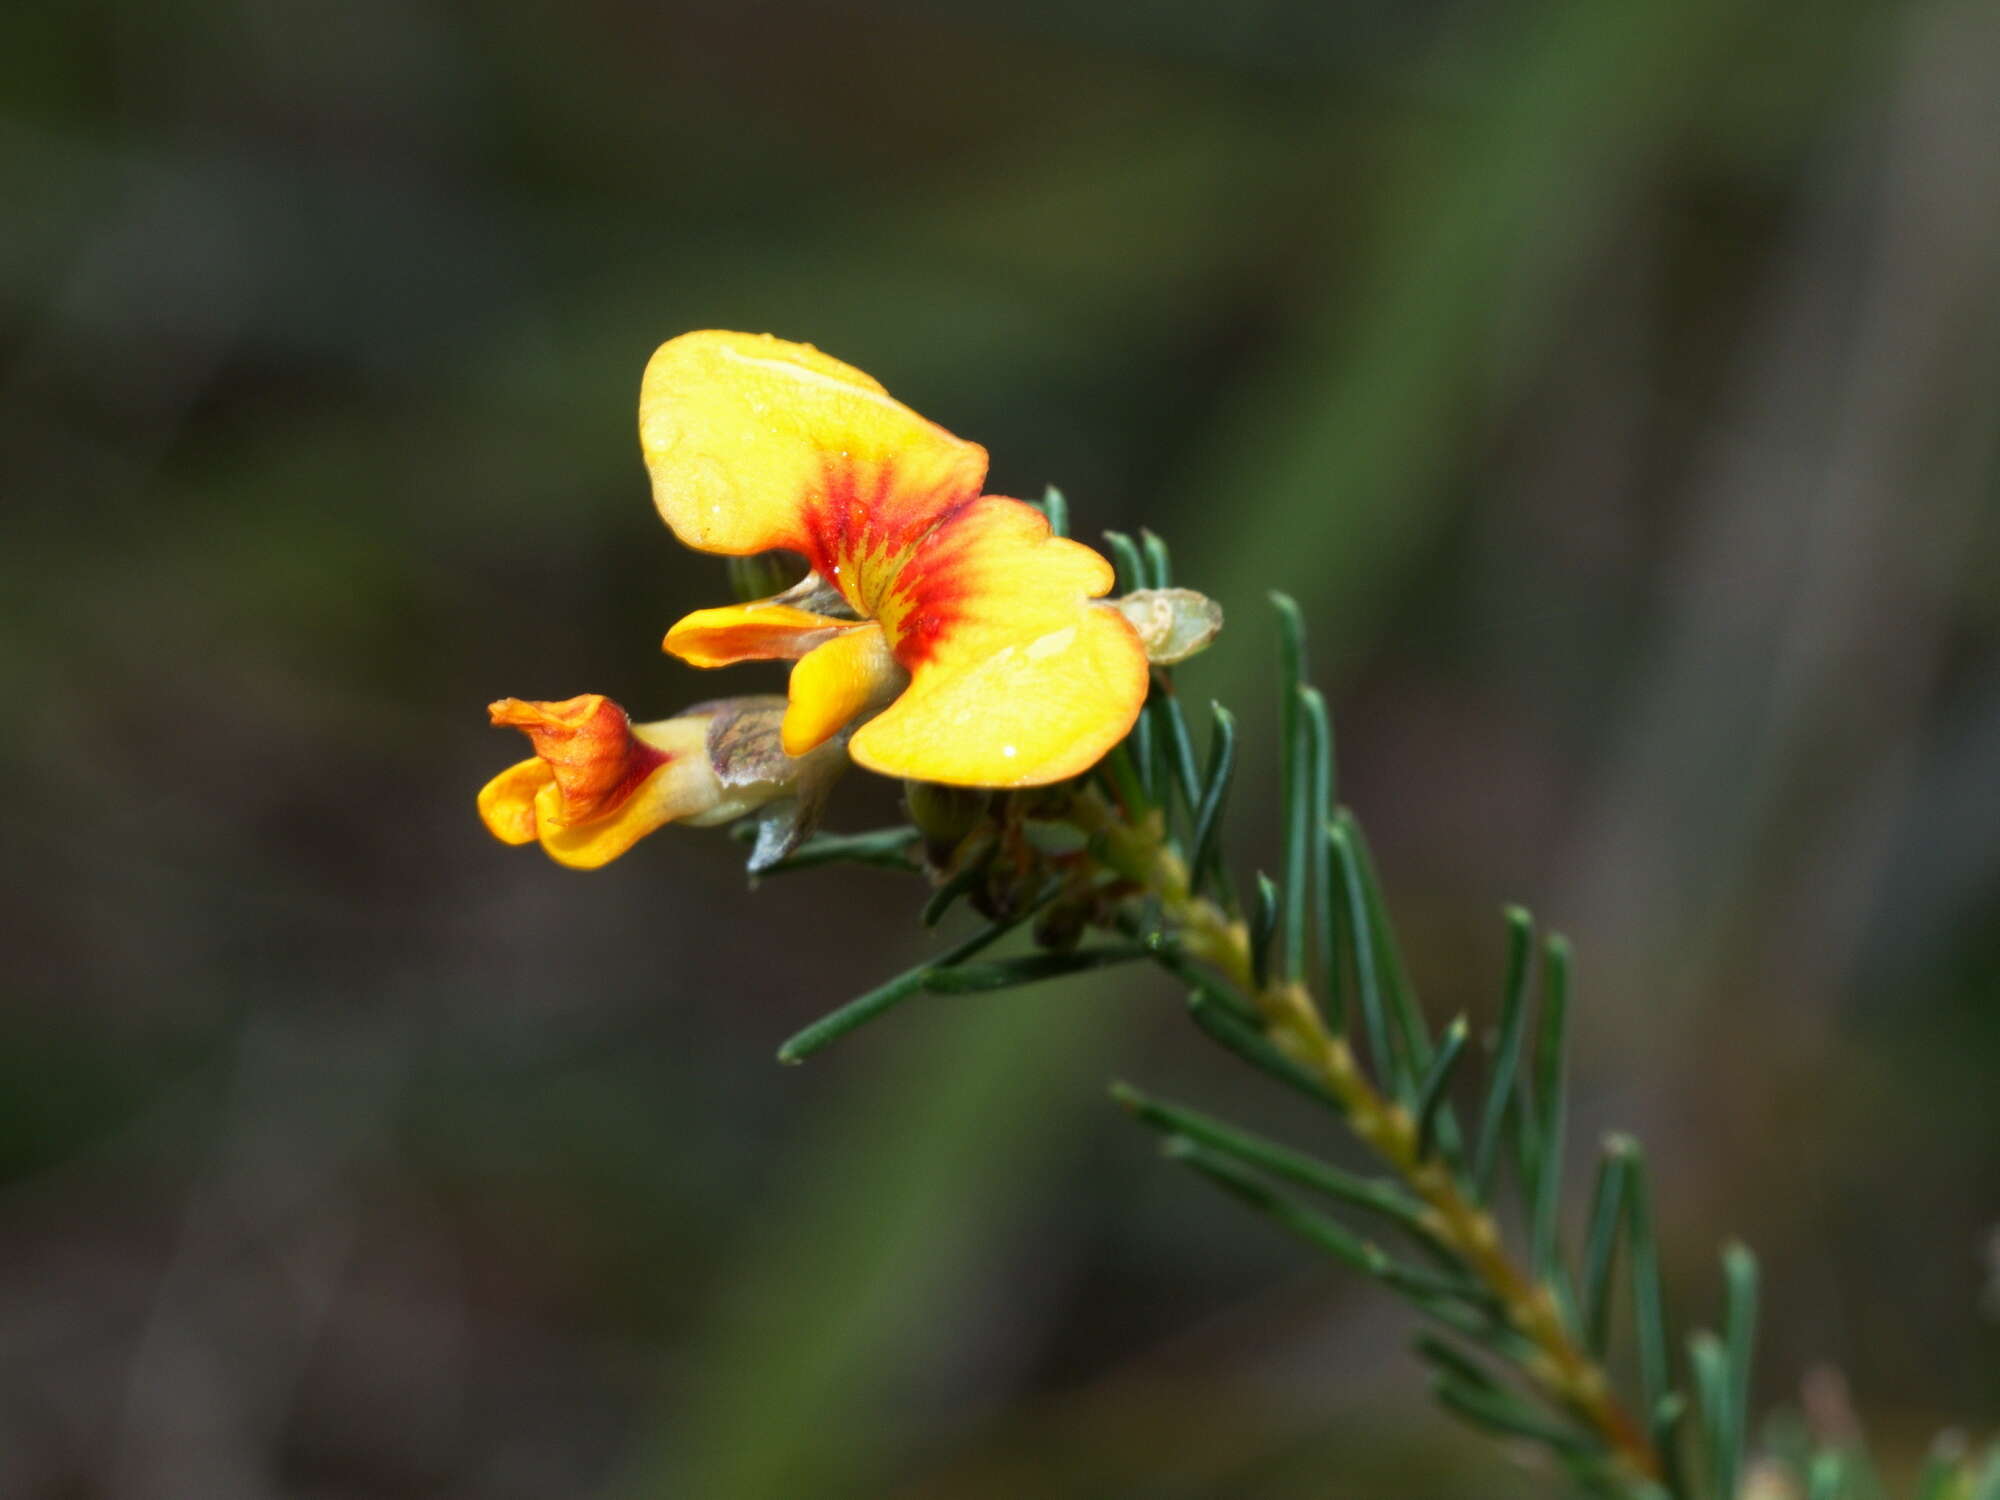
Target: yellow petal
point(1017, 679)
point(753, 443)
point(684, 786)
point(836, 681)
point(598, 783)
point(507, 802)
point(594, 759)
point(762, 631)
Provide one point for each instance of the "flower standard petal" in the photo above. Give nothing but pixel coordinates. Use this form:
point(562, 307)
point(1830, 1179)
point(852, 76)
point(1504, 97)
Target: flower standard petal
point(1017, 678)
point(753, 442)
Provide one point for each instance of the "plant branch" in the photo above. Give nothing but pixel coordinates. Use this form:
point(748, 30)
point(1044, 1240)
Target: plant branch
point(1294, 1025)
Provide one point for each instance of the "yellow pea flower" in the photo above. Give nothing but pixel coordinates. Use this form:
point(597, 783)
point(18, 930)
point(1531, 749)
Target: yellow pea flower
point(967, 624)
point(598, 783)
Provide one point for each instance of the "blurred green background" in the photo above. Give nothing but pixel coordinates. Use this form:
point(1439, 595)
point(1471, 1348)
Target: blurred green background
point(1615, 383)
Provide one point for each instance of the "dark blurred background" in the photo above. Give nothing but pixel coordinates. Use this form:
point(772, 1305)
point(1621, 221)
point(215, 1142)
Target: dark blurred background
point(1615, 383)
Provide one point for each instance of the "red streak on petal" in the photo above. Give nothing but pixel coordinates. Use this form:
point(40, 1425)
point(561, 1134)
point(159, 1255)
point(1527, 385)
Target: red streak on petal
point(932, 591)
point(863, 523)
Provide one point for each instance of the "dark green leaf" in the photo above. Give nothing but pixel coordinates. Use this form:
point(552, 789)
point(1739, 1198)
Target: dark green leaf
point(1648, 1301)
point(1254, 1048)
point(1987, 1485)
point(1159, 562)
point(1296, 782)
point(1943, 1467)
point(1506, 1052)
point(1131, 567)
point(969, 875)
point(1319, 754)
point(1399, 997)
point(1663, 1426)
point(1316, 1229)
point(1709, 1362)
point(1029, 968)
point(1367, 983)
point(1739, 1332)
point(1607, 1217)
point(1214, 794)
point(1826, 1479)
point(861, 1010)
point(1451, 1360)
point(1502, 1411)
point(1139, 745)
point(1124, 776)
point(1374, 1194)
point(1056, 508)
point(1263, 926)
point(1550, 1046)
point(1202, 980)
point(1431, 1096)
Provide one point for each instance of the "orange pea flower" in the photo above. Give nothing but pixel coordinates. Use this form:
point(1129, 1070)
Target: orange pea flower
point(598, 783)
point(957, 615)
